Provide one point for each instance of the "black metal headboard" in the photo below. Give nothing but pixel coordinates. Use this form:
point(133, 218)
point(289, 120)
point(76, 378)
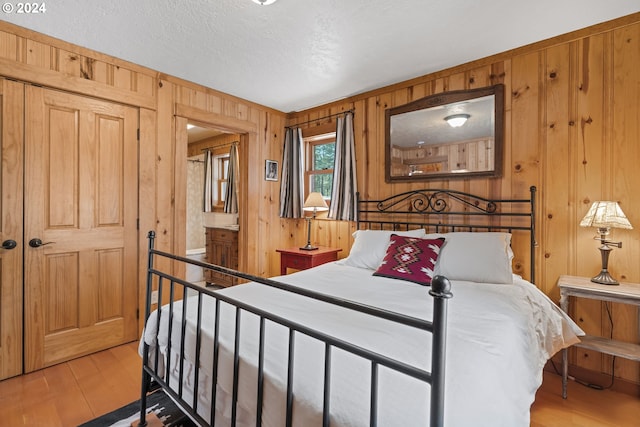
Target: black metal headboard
point(440, 211)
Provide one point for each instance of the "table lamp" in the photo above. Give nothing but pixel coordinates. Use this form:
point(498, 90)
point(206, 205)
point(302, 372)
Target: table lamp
point(605, 215)
point(315, 202)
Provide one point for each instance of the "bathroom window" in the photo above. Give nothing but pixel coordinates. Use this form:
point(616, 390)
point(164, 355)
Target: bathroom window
point(222, 178)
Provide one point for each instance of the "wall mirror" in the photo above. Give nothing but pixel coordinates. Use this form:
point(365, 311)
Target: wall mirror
point(458, 134)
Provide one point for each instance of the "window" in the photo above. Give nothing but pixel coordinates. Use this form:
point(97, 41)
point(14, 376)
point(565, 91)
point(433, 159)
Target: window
point(320, 157)
point(222, 175)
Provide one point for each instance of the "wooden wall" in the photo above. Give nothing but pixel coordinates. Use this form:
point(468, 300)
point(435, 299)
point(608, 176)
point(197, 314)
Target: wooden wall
point(572, 128)
point(218, 145)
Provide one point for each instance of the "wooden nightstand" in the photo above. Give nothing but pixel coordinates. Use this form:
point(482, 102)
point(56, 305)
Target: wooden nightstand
point(583, 287)
point(301, 260)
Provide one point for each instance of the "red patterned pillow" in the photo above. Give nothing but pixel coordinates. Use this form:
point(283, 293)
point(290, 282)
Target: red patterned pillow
point(410, 258)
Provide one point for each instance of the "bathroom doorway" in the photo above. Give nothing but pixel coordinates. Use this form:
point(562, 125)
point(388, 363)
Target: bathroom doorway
point(208, 159)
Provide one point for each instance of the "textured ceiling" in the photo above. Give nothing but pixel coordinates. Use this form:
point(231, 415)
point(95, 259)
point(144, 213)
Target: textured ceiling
point(297, 54)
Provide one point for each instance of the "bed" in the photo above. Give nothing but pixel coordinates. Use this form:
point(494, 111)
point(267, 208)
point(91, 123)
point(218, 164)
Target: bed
point(365, 340)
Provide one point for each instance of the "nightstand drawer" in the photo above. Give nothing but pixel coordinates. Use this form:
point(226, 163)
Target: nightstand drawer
point(294, 261)
point(299, 259)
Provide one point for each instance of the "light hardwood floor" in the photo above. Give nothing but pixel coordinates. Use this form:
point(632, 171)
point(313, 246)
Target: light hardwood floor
point(71, 393)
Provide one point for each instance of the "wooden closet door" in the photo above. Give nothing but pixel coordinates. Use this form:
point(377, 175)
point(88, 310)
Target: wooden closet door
point(11, 169)
point(81, 192)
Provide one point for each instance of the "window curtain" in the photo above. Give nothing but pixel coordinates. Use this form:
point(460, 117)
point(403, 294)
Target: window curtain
point(291, 184)
point(343, 193)
point(231, 194)
point(209, 184)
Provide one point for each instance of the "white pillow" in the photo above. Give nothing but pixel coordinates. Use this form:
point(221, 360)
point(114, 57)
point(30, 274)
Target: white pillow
point(483, 257)
point(370, 247)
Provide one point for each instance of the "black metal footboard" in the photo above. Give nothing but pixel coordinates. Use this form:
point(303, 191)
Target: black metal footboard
point(173, 292)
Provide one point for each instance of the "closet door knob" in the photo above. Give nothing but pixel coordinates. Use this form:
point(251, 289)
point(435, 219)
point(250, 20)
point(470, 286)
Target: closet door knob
point(9, 244)
point(36, 243)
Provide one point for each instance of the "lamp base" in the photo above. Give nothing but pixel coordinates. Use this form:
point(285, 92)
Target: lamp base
point(604, 278)
point(308, 246)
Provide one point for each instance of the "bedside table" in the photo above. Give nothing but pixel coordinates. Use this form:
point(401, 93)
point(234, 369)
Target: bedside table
point(300, 259)
point(583, 287)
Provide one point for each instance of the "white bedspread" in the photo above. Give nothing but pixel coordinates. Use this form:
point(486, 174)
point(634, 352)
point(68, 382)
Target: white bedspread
point(499, 338)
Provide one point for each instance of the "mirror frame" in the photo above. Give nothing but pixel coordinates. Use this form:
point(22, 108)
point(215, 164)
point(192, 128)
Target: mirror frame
point(442, 99)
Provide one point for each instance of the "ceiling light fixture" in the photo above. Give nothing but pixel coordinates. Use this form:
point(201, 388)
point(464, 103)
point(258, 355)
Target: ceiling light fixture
point(457, 120)
point(264, 2)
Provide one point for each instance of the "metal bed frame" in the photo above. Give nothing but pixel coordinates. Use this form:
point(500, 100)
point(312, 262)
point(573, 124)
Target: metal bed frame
point(412, 209)
point(442, 210)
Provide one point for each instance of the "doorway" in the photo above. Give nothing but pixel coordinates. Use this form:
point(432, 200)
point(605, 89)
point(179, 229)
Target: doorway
point(208, 166)
point(244, 132)
point(196, 249)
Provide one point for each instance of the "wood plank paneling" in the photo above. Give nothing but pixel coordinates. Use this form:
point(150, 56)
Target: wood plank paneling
point(624, 146)
point(147, 196)
point(558, 126)
point(588, 181)
point(12, 125)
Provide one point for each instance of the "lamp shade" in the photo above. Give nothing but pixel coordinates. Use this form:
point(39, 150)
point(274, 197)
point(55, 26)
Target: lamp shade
point(605, 214)
point(315, 202)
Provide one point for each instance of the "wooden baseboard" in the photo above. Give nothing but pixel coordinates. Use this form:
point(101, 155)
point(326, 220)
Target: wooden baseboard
point(599, 379)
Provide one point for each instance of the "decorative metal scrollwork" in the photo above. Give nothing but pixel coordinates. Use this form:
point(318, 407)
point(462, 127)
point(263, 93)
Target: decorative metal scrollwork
point(438, 201)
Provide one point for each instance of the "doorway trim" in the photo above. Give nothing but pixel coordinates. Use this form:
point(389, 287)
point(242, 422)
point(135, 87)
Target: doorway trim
point(247, 132)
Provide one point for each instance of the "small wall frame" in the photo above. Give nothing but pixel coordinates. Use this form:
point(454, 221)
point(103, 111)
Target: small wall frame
point(271, 170)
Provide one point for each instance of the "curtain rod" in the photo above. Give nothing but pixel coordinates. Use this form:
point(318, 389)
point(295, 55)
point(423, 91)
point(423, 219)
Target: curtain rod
point(224, 145)
point(321, 118)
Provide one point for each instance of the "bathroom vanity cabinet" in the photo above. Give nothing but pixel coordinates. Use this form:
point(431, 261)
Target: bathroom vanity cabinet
point(222, 249)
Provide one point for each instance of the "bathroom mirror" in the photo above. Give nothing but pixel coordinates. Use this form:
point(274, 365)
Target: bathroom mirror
point(457, 134)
